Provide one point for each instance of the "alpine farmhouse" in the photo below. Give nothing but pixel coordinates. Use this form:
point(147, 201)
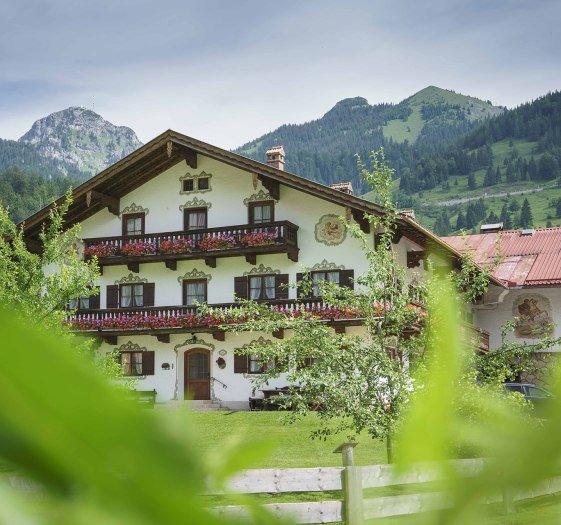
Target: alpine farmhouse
point(180, 222)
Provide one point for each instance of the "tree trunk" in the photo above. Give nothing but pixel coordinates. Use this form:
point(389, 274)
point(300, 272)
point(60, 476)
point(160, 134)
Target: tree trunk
point(389, 447)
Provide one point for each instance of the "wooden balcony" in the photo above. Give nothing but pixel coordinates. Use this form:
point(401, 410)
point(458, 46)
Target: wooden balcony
point(208, 244)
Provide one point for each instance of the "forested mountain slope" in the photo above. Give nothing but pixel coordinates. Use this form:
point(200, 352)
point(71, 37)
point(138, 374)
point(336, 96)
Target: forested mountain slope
point(324, 149)
point(504, 161)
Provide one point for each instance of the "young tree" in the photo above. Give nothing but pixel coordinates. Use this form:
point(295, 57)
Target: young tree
point(471, 181)
point(39, 287)
point(505, 218)
point(360, 382)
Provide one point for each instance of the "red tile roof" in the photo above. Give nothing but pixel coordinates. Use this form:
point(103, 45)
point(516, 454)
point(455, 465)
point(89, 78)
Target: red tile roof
point(524, 260)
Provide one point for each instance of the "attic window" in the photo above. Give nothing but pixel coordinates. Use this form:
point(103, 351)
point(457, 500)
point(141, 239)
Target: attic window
point(189, 185)
point(203, 183)
point(529, 231)
point(192, 183)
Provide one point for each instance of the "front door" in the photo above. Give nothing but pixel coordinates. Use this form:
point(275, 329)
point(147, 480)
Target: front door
point(197, 374)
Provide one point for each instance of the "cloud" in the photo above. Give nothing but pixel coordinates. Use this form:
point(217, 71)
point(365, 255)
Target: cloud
point(227, 72)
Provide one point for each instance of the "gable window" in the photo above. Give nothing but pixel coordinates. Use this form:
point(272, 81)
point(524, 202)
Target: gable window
point(195, 184)
point(203, 183)
point(189, 185)
point(194, 291)
point(133, 224)
point(131, 295)
point(262, 287)
point(195, 218)
point(137, 363)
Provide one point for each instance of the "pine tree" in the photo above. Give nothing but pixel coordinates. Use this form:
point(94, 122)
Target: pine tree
point(471, 181)
point(460, 221)
point(505, 218)
point(558, 208)
point(492, 218)
point(526, 218)
point(489, 179)
point(442, 224)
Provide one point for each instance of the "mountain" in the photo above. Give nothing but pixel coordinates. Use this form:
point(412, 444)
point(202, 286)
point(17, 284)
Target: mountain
point(81, 138)
point(324, 149)
point(486, 175)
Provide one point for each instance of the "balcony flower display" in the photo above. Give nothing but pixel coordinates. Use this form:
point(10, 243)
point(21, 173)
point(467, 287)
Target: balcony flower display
point(138, 248)
point(176, 246)
point(258, 239)
point(100, 250)
point(217, 242)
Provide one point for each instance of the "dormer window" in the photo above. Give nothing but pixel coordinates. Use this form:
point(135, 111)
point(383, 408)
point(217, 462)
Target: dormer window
point(133, 224)
point(261, 212)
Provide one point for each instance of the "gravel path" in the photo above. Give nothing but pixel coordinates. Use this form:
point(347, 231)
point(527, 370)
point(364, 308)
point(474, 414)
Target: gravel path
point(452, 202)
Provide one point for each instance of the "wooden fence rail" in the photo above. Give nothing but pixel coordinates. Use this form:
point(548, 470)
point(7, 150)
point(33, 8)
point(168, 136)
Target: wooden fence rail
point(353, 509)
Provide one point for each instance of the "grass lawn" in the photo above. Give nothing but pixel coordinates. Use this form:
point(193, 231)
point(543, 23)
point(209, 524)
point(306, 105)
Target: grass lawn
point(290, 444)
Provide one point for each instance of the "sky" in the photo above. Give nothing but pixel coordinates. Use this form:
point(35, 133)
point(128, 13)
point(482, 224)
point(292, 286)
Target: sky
point(228, 71)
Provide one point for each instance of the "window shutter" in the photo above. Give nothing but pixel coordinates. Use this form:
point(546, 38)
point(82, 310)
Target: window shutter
point(148, 298)
point(346, 278)
point(241, 364)
point(240, 287)
point(281, 286)
point(94, 300)
point(148, 363)
point(112, 299)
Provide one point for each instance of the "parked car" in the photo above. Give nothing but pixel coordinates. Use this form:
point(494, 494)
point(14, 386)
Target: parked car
point(536, 395)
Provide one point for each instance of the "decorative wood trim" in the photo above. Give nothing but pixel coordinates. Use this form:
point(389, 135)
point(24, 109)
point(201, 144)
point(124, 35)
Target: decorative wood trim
point(361, 220)
point(195, 178)
point(259, 196)
point(339, 328)
point(110, 339)
point(262, 270)
point(271, 185)
point(133, 208)
point(210, 262)
point(261, 341)
point(219, 336)
point(163, 338)
point(195, 203)
point(189, 155)
point(414, 258)
point(112, 203)
point(133, 267)
point(171, 264)
point(196, 342)
point(278, 334)
point(131, 279)
point(251, 258)
point(129, 346)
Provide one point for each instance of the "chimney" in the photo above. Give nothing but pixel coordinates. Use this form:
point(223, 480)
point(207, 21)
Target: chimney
point(409, 213)
point(344, 187)
point(275, 157)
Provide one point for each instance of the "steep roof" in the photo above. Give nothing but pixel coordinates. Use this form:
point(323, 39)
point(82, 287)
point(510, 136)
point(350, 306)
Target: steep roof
point(172, 147)
point(525, 258)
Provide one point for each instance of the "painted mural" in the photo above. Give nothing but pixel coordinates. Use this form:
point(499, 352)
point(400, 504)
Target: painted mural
point(330, 230)
point(534, 316)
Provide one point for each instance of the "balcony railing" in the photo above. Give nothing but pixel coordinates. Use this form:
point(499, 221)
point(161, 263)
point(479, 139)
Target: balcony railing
point(210, 243)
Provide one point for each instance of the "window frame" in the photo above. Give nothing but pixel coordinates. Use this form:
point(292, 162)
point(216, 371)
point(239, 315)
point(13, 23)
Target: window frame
point(325, 272)
point(133, 295)
point(188, 211)
point(186, 282)
point(128, 216)
point(184, 181)
point(208, 183)
point(256, 204)
point(131, 363)
point(262, 295)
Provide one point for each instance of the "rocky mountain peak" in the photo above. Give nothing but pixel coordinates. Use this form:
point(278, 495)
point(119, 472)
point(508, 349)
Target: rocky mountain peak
point(81, 137)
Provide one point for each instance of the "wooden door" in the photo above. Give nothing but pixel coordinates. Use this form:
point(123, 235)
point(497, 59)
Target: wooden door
point(197, 374)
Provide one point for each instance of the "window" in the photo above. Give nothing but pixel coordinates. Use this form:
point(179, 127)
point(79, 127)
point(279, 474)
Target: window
point(261, 212)
point(131, 295)
point(82, 303)
point(195, 218)
point(203, 183)
point(255, 365)
point(196, 184)
point(262, 287)
point(534, 391)
point(131, 363)
point(139, 363)
point(317, 277)
point(194, 291)
point(133, 224)
point(189, 185)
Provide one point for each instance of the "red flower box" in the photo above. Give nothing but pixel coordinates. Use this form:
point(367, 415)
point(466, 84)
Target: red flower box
point(176, 246)
point(138, 248)
point(258, 239)
point(100, 250)
point(217, 242)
